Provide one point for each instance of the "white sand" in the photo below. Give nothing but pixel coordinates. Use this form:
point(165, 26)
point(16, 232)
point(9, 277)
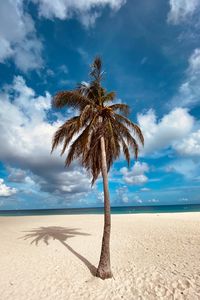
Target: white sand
point(154, 256)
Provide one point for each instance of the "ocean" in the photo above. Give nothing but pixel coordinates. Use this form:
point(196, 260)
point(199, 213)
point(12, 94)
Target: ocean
point(99, 210)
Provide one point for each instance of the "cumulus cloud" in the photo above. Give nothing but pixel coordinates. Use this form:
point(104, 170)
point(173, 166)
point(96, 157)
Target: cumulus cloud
point(178, 129)
point(136, 175)
point(122, 194)
point(189, 91)
point(18, 38)
point(189, 146)
point(181, 10)
point(137, 199)
point(86, 11)
point(16, 175)
point(100, 197)
point(6, 191)
point(186, 167)
point(194, 62)
point(25, 138)
point(162, 134)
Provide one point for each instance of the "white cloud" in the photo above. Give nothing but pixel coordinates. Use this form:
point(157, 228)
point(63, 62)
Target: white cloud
point(122, 194)
point(5, 49)
point(181, 10)
point(87, 11)
point(25, 138)
point(16, 175)
point(18, 37)
point(162, 134)
point(187, 167)
point(100, 197)
point(84, 55)
point(194, 62)
point(184, 200)
point(136, 174)
point(145, 189)
point(125, 199)
point(18, 40)
point(153, 200)
point(21, 176)
point(6, 191)
point(180, 131)
point(137, 199)
point(63, 69)
point(189, 146)
point(189, 91)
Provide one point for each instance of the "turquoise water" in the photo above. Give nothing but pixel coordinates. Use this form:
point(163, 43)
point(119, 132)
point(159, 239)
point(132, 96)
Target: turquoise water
point(99, 210)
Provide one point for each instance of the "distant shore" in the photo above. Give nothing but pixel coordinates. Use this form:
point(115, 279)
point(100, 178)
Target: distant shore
point(153, 256)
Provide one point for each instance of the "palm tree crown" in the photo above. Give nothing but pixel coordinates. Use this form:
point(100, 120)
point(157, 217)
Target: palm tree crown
point(98, 117)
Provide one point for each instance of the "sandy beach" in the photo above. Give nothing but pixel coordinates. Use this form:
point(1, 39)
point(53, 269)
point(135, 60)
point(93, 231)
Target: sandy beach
point(153, 256)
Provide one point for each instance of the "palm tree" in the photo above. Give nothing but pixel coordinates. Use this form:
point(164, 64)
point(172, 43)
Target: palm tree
point(96, 136)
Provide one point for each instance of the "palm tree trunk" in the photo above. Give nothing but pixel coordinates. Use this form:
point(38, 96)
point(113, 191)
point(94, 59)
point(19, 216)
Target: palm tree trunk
point(104, 270)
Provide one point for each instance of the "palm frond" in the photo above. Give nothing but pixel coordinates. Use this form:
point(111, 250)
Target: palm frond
point(85, 115)
point(124, 131)
point(71, 99)
point(68, 129)
point(108, 97)
point(132, 125)
point(126, 151)
point(83, 88)
point(123, 108)
point(96, 71)
point(77, 148)
point(80, 145)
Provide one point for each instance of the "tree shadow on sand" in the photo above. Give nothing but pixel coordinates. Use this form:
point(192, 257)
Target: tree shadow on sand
point(45, 234)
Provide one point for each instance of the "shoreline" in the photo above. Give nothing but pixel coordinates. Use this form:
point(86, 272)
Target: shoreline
point(117, 210)
point(112, 214)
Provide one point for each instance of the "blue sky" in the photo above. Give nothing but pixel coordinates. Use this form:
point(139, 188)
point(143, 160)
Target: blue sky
point(151, 55)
